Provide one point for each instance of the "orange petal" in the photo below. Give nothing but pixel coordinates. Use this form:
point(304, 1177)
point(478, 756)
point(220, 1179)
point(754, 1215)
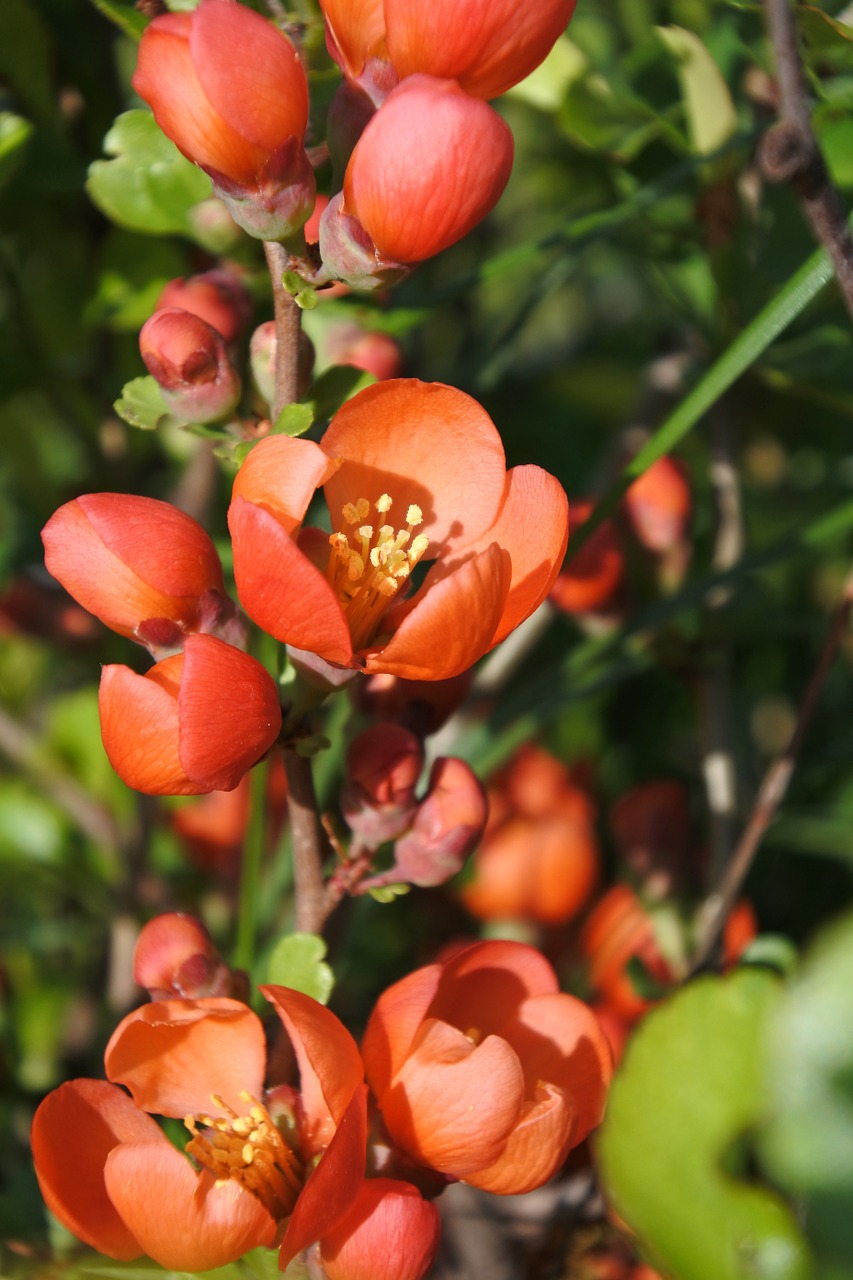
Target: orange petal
point(487, 45)
point(330, 1066)
point(454, 1103)
point(535, 1149)
point(74, 1130)
point(357, 28)
point(451, 622)
point(560, 1041)
point(422, 443)
point(390, 1232)
point(484, 985)
point(263, 94)
point(126, 559)
point(533, 526)
point(394, 1023)
point(228, 713)
point(139, 727)
point(334, 1185)
point(166, 78)
point(173, 1055)
point(281, 475)
point(280, 588)
point(184, 1220)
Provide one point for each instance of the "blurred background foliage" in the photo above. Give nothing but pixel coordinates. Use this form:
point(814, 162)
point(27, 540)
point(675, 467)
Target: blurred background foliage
point(635, 242)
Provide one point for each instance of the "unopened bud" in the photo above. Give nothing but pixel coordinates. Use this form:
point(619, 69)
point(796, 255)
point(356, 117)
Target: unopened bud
point(448, 826)
point(262, 353)
point(378, 797)
point(376, 353)
point(175, 956)
point(189, 360)
point(213, 226)
point(217, 296)
point(421, 705)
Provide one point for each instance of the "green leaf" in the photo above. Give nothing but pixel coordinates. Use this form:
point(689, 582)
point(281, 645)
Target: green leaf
point(545, 87)
point(148, 186)
point(808, 1146)
point(690, 1086)
point(297, 961)
point(15, 133)
point(125, 15)
point(711, 115)
point(334, 387)
point(141, 404)
point(294, 420)
point(388, 892)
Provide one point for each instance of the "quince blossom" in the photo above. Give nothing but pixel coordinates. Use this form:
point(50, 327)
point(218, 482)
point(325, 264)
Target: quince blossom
point(411, 472)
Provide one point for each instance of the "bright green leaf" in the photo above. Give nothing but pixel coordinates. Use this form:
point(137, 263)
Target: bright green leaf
point(808, 1146)
point(388, 892)
point(141, 404)
point(294, 420)
point(148, 185)
point(297, 961)
point(334, 387)
point(711, 115)
point(15, 133)
point(690, 1087)
point(544, 88)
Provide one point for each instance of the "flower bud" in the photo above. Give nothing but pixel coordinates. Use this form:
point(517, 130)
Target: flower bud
point(448, 825)
point(217, 296)
point(212, 225)
point(196, 722)
point(384, 764)
point(262, 355)
point(421, 705)
point(658, 506)
point(376, 353)
point(189, 360)
point(429, 166)
point(176, 956)
point(132, 560)
point(228, 88)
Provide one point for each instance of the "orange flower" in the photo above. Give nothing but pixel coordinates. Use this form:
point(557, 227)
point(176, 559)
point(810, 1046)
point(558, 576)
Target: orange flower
point(483, 1070)
point(110, 1174)
point(618, 929)
point(487, 45)
point(592, 578)
point(430, 454)
point(229, 90)
point(195, 722)
point(659, 505)
point(132, 561)
point(539, 856)
point(428, 167)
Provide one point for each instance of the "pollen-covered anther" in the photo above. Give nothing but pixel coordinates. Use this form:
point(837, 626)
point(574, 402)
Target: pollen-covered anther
point(368, 575)
point(250, 1150)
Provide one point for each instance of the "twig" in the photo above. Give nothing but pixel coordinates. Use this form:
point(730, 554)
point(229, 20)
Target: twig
point(309, 841)
point(287, 323)
point(771, 793)
point(790, 151)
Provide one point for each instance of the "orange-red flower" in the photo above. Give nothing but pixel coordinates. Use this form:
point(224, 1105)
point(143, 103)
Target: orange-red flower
point(484, 1070)
point(411, 472)
point(592, 578)
point(539, 855)
point(195, 722)
point(131, 561)
point(618, 929)
point(487, 45)
point(110, 1174)
point(228, 88)
point(431, 163)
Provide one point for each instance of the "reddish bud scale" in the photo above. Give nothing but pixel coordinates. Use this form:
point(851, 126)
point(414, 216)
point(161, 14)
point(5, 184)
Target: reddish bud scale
point(448, 825)
point(218, 297)
point(190, 361)
point(176, 956)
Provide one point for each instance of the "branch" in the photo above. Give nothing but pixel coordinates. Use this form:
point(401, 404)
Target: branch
point(770, 795)
point(287, 324)
point(309, 843)
point(790, 151)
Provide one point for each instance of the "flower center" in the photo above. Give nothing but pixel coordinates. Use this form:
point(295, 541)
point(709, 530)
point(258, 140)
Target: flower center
point(250, 1150)
point(368, 566)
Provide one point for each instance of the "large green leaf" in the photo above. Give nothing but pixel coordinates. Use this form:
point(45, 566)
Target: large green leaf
point(690, 1088)
point(148, 185)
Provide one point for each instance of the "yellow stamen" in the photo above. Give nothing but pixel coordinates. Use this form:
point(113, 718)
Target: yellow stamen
point(250, 1150)
point(368, 575)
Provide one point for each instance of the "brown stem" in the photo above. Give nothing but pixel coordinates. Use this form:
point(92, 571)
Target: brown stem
point(309, 843)
point(790, 151)
point(288, 318)
point(771, 793)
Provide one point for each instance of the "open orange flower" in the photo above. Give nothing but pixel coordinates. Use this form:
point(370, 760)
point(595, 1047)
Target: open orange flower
point(110, 1174)
point(411, 472)
point(484, 1070)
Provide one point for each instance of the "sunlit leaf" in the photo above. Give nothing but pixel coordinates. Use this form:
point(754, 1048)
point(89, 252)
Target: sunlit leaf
point(141, 404)
point(297, 961)
point(711, 115)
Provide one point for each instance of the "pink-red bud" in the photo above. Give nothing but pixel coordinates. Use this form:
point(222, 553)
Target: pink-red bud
point(421, 705)
point(217, 296)
point(228, 88)
point(175, 956)
point(189, 360)
point(448, 825)
point(376, 353)
point(384, 764)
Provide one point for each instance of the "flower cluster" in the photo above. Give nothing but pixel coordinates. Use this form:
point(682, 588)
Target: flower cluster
point(423, 157)
point(478, 1069)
